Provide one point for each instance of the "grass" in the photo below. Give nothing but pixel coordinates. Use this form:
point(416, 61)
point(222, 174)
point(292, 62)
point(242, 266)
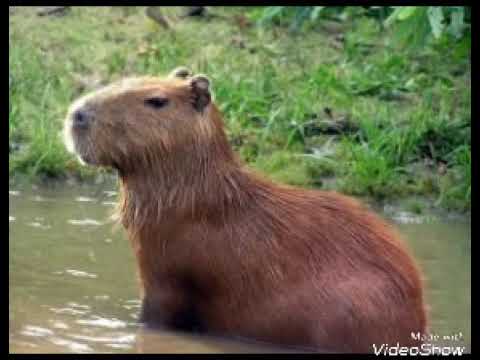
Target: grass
point(410, 108)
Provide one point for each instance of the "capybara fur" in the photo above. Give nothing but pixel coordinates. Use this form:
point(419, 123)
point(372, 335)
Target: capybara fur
point(223, 250)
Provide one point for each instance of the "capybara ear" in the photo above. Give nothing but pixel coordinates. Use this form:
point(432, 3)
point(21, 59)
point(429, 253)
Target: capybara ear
point(201, 91)
point(180, 72)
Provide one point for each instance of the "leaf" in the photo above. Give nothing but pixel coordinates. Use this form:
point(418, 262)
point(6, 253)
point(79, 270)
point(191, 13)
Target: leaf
point(271, 12)
point(316, 12)
point(393, 16)
point(301, 14)
point(457, 22)
point(406, 12)
point(400, 13)
point(435, 17)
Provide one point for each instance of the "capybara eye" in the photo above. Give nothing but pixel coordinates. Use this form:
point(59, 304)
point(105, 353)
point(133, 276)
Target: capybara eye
point(156, 102)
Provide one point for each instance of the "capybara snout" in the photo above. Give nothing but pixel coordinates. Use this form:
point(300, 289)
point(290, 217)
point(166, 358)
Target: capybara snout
point(82, 119)
point(132, 120)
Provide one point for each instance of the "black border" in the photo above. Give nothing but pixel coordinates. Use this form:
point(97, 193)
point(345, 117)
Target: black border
point(475, 128)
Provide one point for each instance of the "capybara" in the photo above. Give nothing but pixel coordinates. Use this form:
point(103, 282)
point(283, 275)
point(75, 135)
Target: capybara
point(226, 251)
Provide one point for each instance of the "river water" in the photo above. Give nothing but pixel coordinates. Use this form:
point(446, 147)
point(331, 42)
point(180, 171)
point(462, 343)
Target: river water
point(73, 289)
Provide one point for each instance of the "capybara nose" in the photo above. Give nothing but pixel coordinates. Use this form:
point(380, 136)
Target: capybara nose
point(82, 118)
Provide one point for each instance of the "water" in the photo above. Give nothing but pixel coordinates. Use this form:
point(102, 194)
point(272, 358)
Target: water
point(73, 284)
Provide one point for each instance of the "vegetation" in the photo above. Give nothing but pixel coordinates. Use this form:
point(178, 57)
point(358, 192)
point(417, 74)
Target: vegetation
point(370, 101)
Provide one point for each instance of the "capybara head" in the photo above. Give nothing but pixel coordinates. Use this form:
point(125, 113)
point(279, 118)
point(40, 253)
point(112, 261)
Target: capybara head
point(137, 122)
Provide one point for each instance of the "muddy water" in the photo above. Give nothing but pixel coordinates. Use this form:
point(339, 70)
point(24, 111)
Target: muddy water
point(73, 286)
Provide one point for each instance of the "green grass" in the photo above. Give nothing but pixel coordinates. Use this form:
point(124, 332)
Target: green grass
point(411, 108)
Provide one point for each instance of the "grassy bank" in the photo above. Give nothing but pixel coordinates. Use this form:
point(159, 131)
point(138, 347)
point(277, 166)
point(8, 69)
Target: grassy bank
point(353, 112)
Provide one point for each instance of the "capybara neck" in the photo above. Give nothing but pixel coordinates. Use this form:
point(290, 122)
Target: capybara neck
point(199, 179)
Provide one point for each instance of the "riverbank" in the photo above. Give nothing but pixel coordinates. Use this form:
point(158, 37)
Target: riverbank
point(337, 106)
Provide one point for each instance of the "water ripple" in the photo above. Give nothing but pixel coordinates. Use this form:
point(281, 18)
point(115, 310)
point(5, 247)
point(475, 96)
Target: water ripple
point(79, 306)
point(104, 322)
point(110, 193)
point(39, 198)
point(76, 273)
point(84, 222)
point(120, 339)
point(68, 311)
point(72, 345)
point(109, 203)
point(37, 331)
point(405, 217)
point(58, 324)
point(84, 199)
point(38, 225)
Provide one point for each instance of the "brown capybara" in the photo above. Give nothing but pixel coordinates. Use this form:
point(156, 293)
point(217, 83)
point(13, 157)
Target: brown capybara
point(225, 251)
